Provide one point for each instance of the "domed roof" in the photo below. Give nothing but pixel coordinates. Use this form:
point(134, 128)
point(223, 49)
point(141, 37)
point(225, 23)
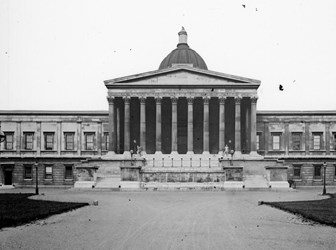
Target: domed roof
point(183, 55)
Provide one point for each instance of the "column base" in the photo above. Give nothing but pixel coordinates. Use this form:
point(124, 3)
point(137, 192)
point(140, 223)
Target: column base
point(158, 153)
point(127, 155)
point(205, 153)
point(190, 152)
point(174, 153)
point(237, 154)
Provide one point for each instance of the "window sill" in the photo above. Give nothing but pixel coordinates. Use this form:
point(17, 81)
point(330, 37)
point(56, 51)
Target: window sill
point(28, 151)
point(68, 179)
point(298, 180)
point(28, 179)
point(317, 180)
point(48, 180)
point(88, 151)
point(297, 151)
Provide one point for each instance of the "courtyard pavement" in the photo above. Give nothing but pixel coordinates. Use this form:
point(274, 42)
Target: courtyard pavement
point(172, 220)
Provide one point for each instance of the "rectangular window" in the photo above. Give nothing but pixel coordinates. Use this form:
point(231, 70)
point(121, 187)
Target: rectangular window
point(69, 138)
point(297, 171)
point(317, 141)
point(68, 172)
point(89, 141)
point(258, 140)
point(296, 141)
point(334, 171)
point(28, 173)
point(276, 141)
point(317, 171)
point(106, 141)
point(48, 172)
point(28, 138)
point(9, 140)
point(334, 141)
point(49, 140)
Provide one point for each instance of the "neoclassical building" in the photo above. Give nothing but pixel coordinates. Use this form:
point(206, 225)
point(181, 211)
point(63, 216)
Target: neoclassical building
point(181, 126)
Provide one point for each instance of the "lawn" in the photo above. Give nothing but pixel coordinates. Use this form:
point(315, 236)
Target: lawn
point(322, 211)
point(17, 209)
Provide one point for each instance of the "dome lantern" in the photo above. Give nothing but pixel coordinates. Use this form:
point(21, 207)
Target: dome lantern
point(183, 55)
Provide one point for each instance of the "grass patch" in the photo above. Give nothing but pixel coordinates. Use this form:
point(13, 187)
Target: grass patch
point(322, 211)
point(17, 209)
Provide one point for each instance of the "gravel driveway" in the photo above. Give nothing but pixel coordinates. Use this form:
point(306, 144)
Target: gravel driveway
point(172, 220)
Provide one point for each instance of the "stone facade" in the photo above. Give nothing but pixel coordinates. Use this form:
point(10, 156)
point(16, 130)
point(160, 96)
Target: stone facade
point(180, 126)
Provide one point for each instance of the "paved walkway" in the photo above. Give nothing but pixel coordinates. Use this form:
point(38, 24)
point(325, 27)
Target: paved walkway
point(172, 220)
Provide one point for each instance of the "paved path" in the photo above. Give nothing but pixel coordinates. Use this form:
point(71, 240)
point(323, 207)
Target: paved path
point(172, 220)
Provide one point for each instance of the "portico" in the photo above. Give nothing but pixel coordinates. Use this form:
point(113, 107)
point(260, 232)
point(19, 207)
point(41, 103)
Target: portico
point(183, 110)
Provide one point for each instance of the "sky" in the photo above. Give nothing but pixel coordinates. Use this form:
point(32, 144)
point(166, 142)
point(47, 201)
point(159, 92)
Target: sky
point(55, 54)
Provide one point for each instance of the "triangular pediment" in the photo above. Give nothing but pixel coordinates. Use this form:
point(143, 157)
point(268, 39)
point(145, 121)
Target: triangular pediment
point(181, 75)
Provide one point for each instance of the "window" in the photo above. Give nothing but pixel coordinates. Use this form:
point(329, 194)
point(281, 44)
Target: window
point(334, 141)
point(48, 172)
point(89, 141)
point(297, 171)
point(9, 140)
point(28, 138)
point(276, 141)
point(49, 141)
point(69, 138)
point(296, 141)
point(28, 173)
point(258, 140)
point(317, 141)
point(68, 172)
point(106, 141)
point(334, 171)
point(317, 171)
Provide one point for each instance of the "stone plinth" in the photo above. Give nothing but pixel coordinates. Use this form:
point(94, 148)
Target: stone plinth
point(277, 176)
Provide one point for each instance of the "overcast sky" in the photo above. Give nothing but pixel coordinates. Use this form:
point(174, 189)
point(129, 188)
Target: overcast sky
point(55, 55)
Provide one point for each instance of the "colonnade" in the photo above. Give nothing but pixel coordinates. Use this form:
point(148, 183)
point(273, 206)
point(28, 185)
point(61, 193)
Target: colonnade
point(190, 121)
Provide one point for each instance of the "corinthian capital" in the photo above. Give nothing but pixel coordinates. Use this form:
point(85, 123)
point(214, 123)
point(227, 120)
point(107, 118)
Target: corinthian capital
point(110, 99)
point(254, 99)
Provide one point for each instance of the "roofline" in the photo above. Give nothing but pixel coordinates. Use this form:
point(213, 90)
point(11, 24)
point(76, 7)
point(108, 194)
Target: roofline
point(53, 112)
point(177, 68)
point(296, 112)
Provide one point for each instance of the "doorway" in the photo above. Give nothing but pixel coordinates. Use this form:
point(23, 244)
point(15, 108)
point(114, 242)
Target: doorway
point(8, 176)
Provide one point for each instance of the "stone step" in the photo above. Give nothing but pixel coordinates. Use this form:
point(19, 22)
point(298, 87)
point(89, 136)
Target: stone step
point(108, 182)
point(255, 181)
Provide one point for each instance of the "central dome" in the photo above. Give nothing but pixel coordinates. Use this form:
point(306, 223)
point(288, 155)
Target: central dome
point(183, 55)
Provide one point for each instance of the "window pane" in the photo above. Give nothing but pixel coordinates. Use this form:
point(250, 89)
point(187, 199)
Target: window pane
point(89, 141)
point(296, 141)
point(28, 141)
point(297, 171)
point(317, 141)
point(68, 172)
point(258, 141)
point(276, 142)
point(69, 141)
point(28, 172)
point(106, 141)
point(49, 141)
point(9, 141)
point(334, 136)
point(48, 172)
point(317, 171)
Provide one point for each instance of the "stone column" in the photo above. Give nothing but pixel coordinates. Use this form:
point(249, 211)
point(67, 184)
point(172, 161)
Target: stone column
point(237, 125)
point(158, 125)
point(286, 139)
point(111, 130)
point(190, 126)
point(327, 129)
point(307, 139)
point(143, 123)
point(127, 124)
point(253, 125)
point(174, 124)
point(221, 123)
point(206, 125)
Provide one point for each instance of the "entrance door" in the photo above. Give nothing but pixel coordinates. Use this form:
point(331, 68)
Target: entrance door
point(8, 177)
